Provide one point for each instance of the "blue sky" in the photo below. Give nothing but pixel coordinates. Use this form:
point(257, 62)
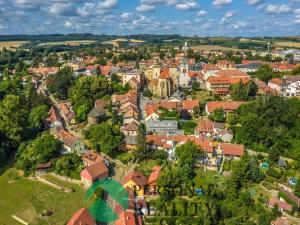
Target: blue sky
point(185, 17)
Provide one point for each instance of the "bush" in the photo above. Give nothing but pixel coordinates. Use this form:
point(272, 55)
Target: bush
point(274, 173)
point(161, 154)
point(125, 157)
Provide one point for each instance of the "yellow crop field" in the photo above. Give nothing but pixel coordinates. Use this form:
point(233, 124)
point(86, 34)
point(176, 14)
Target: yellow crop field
point(11, 44)
point(289, 44)
point(71, 43)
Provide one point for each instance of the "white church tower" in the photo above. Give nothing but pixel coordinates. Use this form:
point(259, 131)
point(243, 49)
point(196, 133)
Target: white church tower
point(184, 78)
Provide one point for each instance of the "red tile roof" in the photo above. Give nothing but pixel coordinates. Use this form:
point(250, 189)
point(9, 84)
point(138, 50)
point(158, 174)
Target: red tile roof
point(165, 74)
point(232, 149)
point(205, 125)
point(277, 81)
point(281, 221)
point(82, 217)
point(154, 175)
point(128, 217)
point(209, 67)
point(105, 70)
point(160, 140)
point(231, 73)
point(190, 104)
point(92, 157)
point(227, 106)
point(95, 171)
point(137, 177)
point(133, 126)
point(281, 204)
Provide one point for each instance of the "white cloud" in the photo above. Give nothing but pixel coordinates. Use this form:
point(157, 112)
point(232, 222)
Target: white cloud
point(220, 3)
point(145, 8)
point(240, 25)
point(297, 19)
point(227, 16)
point(277, 9)
point(94, 9)
point(68, 24)
point(254, 2)
point(126, 15)
point(150, 5)
point(62, 9)
point(187, 5)
point(202, 13)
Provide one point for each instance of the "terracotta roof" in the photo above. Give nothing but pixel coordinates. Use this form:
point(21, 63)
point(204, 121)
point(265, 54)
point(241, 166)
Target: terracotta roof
point(134, 80)
point(94, 171)
point(205, 125)
point(231, 73)
point(82, 217)
point(165, 74)
point(232, 149)
point(151, 107)
point(283, 66)
point(154, 175)
point(281, 221)
point(133, 126)
point(227, 106)
point(209, 67)
point(218, 80)
point(195, 74)
point(137, 177)
point(105, 70)
point(222, 90)
point(160, 140)
point(190, 104)
point(52, 116)
point(277, 81)
point(128, 217)
point(281, 204)
point(92, 157)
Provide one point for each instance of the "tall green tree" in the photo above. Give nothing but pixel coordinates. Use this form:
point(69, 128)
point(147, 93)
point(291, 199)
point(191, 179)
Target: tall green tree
point(142, 151)
point(40, 150)
point(264, 73)
point(105, 138)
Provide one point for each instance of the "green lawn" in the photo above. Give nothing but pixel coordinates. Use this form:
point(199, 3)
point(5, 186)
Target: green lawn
point(27, 199)
point(209, 177)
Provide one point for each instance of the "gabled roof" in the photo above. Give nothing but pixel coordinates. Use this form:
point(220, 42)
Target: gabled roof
point(227, 106)
point(232, 149)
point(137, 177)
point(82, 217)
point(154, 175)
point(128, 217)
point(190, 104)
point(93, 171)
point(281, 204)
point(231, 73)
point(92, 157)
point(277, 81)
point(133, 126)
point(165, 74)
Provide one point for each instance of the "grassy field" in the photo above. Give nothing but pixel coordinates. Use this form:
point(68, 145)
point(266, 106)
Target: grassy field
point(27, 199)
point(289, 44)
point(71, 43)
point(213, 48)
point(11, 44)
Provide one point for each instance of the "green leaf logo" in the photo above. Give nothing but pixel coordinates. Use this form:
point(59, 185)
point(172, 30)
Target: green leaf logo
point(100, 209)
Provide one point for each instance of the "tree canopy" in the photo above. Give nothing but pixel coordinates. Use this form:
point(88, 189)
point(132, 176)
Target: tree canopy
point(105, 138)
point(269, 123)
point(40, 150)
